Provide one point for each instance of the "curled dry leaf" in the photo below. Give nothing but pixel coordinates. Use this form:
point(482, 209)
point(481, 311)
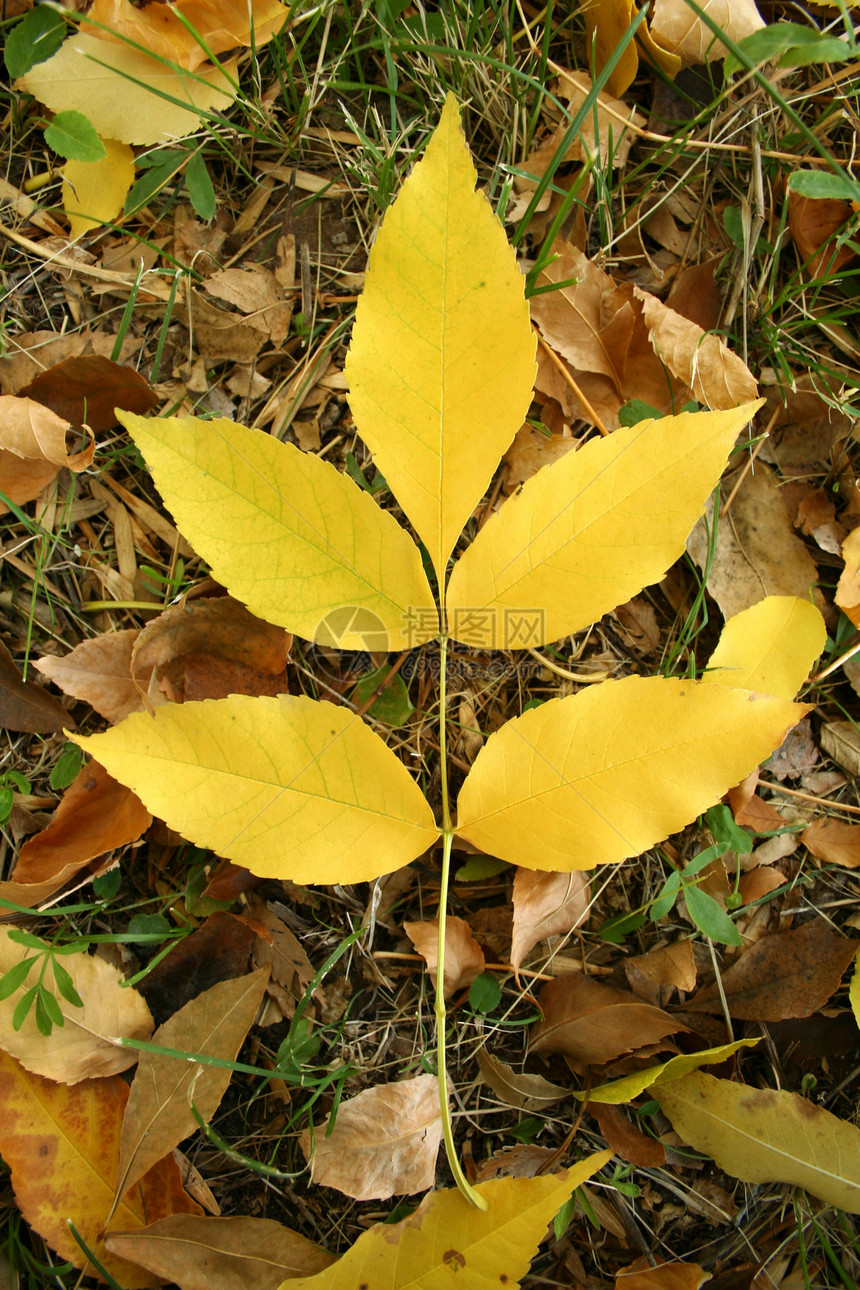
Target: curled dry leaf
point(384, 1142)
point(96, 814)
point(88, 387)
point(653, 976)
point(24, 705)
point(61, 1143)
point(678, 30)
point(592, 1024)
point(758, 1135)
point(717, 377)
point(255, 292)
point(34, 445)
point(87, 1045)
point(219, 24)
point(643, 1275)
point(98, 671)
point(230, 1253)
point(523, 1091)
point(525, 1160)
point(464, 958)
point(833, 842)
point(546, 904)
point(625, 1139)
point(791, 974)
point(277, 949)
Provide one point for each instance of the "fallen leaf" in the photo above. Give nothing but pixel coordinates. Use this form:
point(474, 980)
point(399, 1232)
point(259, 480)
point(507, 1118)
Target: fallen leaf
point(757, 551)
point(26, 706)
point(217, 951)
point(833, 842)
point(33, 448)
point(447, 1234)
point(33, 352)
point(680, 31)
point(95, 815)
point(591, 1023)
point(524, 1091)
point(628, 1142)
point(847, 594)
point(717, 377)
point(209, 26)
point(605, 25)
point(770, 647)
point(94, 192)
point(384, 1141)
point(644, 1275)
point(524, 1160)
point(277, 949)
point(87, 1044)
point(127, 95)
point(255, 292)
point(750, 810)
point(841, 741)
point(464, 958)
point(256, 753)
point(813, 223)
point(653, 976)
point(628, 1088)
point(158, 1115)
point(98, 671)
point(759, 1135)
point(790, 974)
point(230, 1253)
point(61, 1143)
point(87, 388)
point(546, 904)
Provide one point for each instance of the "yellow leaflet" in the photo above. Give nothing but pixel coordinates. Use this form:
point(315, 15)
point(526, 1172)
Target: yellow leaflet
point(587, 532)
point(606, 21)
point(854, 989)
point(603, 774)
point(441, 364)
point(447, 1243)
point(287, 787)
point(300, 544)
point(770, 647)
point(624, 1090)
point(124, 93)
point(94, 191)
point(759, 1135)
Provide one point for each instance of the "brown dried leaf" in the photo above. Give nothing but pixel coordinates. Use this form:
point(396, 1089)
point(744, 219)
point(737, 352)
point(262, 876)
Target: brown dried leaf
point(26, 706)
point(529, 452)
point(86, 1046)
point(841, 741)
point(158, 1115)
point(464, 958)
point(230, 1253)
point(33, 448)
point(642, 1275)
point(833, 842)
point(750, 810)
point(695, 295)
point(384, 1142)
point(848, 588)
point(814, 223)
point(717, 377)
point(625, 1139)
point(653, 976)
point(592, 1024)
point(790, 974)
point(525, 1160)
point(98, 671)
point(523, 1091)
point(256, 294)
point(277, 949)
point(546, 904)
point(679, 31)
point(86, 389)
point(217, 951)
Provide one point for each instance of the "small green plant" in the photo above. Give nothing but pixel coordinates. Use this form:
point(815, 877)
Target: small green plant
point(40, 996)
point(440, 373)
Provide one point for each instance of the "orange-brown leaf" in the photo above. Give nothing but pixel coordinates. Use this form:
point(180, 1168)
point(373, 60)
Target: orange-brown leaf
point(24, 705)
point(546, 904)
point(592, 1024)
point(99, 672)
point(833, 842)
point(87, 388)
point(464, 958)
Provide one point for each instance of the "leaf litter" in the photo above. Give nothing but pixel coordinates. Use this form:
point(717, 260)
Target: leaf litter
point(623, 352)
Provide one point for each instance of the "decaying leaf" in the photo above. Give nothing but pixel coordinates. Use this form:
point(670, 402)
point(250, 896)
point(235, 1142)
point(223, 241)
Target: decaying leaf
point(625, 1139)
point(232, 1253)
point(716, 376)
point(833, 842)
point(813, 223)
point(654, 976)
point(645, 1275)
point(592, 1024)
point(34, 447)
point(678, 30)
point(86, 1046)
point(760, 1135)
point(158, 1115)
point(61, 1143)
point(524, 1091)
point(847, 594)
point(99, 672)
point(384, 1142)
point(464, 958)
point(25, 705)
point(88, 387)
point(546, 904)
point(447, 1239)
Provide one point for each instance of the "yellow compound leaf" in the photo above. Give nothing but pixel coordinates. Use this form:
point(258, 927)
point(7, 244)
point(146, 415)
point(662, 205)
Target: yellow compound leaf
point(287, 787)
point(760, 1135)
point(125, 93)
point(601, 775)
point(447, 1243)
point(626, 1089)
point(769, 647)
point(590, 530)
point(300, 544)
point(441, 364)
point(94, 191)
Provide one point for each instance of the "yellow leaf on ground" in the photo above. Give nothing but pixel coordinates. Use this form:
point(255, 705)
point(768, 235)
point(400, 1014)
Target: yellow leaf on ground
point(854, 989)
point(606, 21)
point(296, 541)
point(678, 30)
point(158, 1115)
point(230, 1253)
point(384, 1141)
point(287, 787)
point(61, 1143)
point(848, 589)
point(717, 377)
point(126, 94)
point(588, 531)
point(94, 191)
point(760, 1135)
point(221, 25)
point(87, 1044)
point(628, 1088)
point(441, 364)
point(769, 647)
point(447, 1242)
point(601, 775)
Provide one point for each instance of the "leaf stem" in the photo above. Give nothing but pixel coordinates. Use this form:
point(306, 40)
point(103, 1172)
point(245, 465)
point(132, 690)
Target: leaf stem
point(447, 840)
